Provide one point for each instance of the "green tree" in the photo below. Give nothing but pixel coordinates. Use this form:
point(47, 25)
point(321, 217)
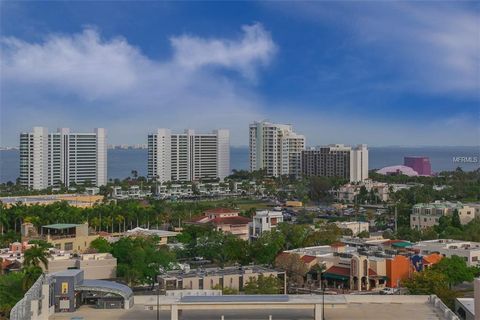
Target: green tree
point(263, 285)
point(455, 270)
point(267, 247)
point(101, 245)
point(11, 291)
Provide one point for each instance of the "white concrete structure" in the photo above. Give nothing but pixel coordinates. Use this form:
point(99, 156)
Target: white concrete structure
point(275, 148)
point(48, 159)
point(264, 220)
point(356, 226)
point(188, 156)
point(470, 251)
point(359, 163)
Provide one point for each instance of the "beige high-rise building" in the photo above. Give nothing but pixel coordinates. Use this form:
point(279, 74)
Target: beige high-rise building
point(276, 148)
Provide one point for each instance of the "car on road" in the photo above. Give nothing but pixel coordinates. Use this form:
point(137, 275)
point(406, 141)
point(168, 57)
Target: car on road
point(388, 290)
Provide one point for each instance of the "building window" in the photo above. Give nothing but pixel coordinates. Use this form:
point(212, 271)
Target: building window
point(68, 246)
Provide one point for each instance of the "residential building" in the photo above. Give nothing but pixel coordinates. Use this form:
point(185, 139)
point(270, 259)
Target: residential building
point(212, 278)
point(420, 164)
point(69, 237)
point(264, 220)
point(188, 156)
point(275, 148)
point(359, 163)
point(355, 226)
point(226, 220)
point(426, 215)
point(63, 157)
point(94, 265)
point(382, 190)
point(469, 251)
point(336, 160)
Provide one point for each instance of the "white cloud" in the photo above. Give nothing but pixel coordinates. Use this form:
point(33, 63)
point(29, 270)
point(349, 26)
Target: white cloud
point(254, 49)
point(84, 80)
point(430, 47)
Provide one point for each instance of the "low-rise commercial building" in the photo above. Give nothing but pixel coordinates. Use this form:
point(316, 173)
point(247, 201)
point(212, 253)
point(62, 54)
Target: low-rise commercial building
point(469, 251)
point(216, 278)
point(365, 267)
point(95, 265)
point(162, 235)
point(355, 226)
point(264, 220)
point(76, 200)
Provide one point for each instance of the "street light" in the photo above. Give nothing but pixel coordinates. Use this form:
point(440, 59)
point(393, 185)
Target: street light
point(323, 303)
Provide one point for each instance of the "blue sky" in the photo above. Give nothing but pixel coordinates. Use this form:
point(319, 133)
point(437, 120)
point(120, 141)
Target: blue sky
point(381, 73)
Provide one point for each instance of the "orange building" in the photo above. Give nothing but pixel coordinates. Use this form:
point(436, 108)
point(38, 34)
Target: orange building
point(399, 268)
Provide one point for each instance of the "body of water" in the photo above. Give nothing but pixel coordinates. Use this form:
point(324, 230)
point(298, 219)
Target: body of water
point(122, 162)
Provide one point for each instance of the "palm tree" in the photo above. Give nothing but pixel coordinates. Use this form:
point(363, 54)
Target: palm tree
point(35, 256)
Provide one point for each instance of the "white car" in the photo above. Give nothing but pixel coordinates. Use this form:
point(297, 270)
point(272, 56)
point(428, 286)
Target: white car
point(388, 290)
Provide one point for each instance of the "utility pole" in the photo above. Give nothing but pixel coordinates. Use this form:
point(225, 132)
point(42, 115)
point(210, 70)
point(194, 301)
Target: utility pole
point(396, 216)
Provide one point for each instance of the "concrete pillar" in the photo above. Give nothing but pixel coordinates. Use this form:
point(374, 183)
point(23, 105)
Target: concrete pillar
point(477, 298)
point(34, 309)
point(174, 312)
point(45, 302)
point(317, 312)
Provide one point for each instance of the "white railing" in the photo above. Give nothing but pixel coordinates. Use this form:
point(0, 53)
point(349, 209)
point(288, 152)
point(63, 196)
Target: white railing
point(442, 309)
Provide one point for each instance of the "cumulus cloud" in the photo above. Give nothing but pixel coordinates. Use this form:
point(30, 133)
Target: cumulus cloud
point(254, 49)
point(83, 78)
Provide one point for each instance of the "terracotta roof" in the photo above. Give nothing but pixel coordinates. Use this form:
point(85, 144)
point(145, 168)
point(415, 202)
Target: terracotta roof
point(308, 259)
point(198, 219)
point(432, 259)
point(221, 210)
point(339, 270)
point(337, 244)
point(230, 220)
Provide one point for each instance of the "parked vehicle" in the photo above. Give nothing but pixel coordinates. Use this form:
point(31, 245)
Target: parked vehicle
point(388, 290)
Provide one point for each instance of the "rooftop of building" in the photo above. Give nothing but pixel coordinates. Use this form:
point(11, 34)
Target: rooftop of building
point(61, 226)
point(150, 232)
point(440, 205)
point(216, 272)
point(385, 307)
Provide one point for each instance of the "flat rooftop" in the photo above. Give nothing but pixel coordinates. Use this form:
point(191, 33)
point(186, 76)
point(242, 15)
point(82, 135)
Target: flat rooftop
point(410, 307)
point(216, 272)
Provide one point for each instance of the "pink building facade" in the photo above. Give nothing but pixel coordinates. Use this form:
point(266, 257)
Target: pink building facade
point(420, 164)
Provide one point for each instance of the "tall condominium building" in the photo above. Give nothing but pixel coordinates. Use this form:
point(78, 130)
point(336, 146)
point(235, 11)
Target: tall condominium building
point(420, 164)
point(62, 157)
point(276, 148)
point(336, 160)
point(188, 156)
point(328, 161)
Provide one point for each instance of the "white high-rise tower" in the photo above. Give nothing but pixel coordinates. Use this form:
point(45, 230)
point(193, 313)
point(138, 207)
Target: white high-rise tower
point(276, 148)
point(188, 156)
point(62, 157)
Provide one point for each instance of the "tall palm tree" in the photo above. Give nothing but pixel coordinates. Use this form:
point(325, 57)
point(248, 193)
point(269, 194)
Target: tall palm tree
point(35, 256)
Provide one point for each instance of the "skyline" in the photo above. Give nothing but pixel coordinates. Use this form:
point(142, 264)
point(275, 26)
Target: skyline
point(389, 74)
